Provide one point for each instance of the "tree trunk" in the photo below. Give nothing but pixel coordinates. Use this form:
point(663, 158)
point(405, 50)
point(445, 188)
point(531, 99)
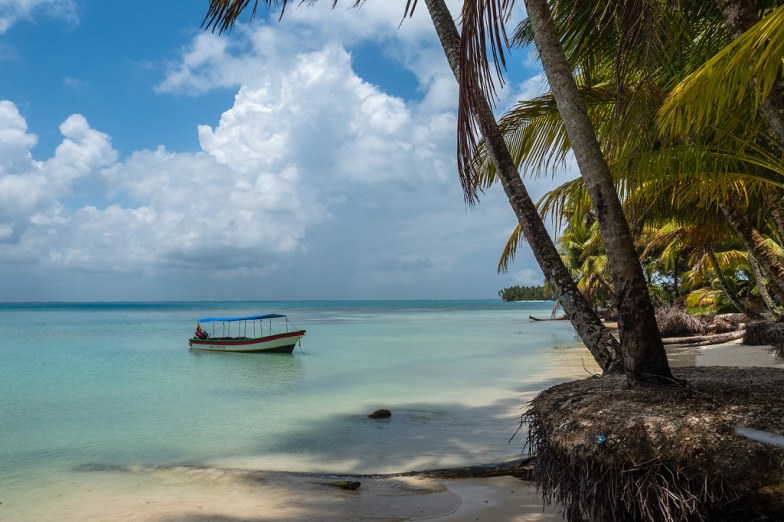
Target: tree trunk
point(725, 287)
point(675, 276)
point(773, 202)
point(644, 357)
point(763, 289)
point(775, 289)
point(768, 261)
point(739, 16)
point(595, 335)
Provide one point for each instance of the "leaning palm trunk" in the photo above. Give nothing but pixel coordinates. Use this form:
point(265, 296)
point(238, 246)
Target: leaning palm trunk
point(589, 327)
point(768, 261)
point(742, 308)
point(739, 16)
point(644, 357)
point(769, 274)
point(222, 14)
point(773, 202)
point(763, 289)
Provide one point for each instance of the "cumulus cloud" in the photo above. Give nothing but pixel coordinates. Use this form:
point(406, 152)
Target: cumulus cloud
point(177, 204)
point(30, 189)
point(253, 51)
point(12, 11)
point(27, 184)
point(318, 114)
point(281, 158)
point(15, 141)
point(309, 160)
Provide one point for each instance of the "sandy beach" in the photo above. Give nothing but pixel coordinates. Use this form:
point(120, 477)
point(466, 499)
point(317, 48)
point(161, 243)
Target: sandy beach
point(191, 494)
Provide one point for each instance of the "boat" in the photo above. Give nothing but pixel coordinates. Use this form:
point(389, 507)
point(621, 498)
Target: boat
point(269, 333)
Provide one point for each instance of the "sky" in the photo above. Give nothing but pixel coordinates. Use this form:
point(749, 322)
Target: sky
point(311, 157)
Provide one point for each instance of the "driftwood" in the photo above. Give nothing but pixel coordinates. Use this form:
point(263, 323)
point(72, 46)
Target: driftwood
point(705, 340)
point(520, 468)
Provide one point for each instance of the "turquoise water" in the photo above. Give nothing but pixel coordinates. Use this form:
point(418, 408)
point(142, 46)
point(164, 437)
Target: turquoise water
point(102, 386)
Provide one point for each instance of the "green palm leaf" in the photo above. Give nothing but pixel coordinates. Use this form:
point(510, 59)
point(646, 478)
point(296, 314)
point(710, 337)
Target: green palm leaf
point(753, 62)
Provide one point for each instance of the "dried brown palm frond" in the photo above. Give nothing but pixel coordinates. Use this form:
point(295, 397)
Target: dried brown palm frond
point(483, 35)
point(223, 14)
point(674, 321)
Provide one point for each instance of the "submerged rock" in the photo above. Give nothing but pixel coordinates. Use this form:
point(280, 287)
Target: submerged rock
point(383, 413)
point(344, 484)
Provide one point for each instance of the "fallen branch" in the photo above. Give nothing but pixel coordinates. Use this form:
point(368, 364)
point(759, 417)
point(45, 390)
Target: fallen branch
point(704, 340)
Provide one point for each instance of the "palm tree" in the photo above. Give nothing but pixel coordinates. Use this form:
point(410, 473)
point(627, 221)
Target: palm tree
point(627, 152)
point(222, 14)
point(644, 356)
point(740, 16)
point(596, 337)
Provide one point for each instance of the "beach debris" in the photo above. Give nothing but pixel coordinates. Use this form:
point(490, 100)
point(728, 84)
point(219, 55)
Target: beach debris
point(350, 485)
point(773, 439)
point(383, 413)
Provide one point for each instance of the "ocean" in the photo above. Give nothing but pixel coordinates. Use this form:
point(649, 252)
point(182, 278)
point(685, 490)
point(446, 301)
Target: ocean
point(89, 391)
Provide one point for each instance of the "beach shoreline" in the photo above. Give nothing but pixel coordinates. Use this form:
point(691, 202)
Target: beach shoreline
point(193, 494)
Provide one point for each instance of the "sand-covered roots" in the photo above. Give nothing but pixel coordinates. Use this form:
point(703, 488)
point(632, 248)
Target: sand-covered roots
point(609, 452)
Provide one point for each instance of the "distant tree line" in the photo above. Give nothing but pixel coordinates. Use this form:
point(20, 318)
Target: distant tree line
point(525, 293)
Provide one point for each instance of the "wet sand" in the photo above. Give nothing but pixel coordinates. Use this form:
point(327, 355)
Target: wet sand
point(210, 494)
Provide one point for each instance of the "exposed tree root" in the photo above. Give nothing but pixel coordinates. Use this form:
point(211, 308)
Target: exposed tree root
point(612, 453)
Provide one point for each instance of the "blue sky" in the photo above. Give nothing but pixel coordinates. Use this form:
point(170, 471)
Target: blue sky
point(142, 158)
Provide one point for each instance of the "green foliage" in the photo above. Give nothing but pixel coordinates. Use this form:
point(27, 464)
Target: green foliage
point(661, 294)
point(525, 293)
point(751, 63)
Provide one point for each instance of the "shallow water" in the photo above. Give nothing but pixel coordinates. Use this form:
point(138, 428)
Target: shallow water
point(91, 388)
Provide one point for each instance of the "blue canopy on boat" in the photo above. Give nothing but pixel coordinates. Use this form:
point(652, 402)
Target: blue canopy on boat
point(249, 318)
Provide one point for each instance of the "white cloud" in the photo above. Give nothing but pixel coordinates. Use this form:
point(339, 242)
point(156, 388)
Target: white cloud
point(15, 141)
point(528, 277)
point(252, 52)
point(314, 180)
point(12, 11)
point(83, 151)
point(532, 87)
point(31, 189)
point(318, 114)
point(279, 161)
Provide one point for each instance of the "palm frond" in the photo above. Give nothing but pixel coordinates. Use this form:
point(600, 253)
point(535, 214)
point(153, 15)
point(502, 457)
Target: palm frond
point(750, 65)
point(222, 15)
point(483, 23)
point(516, 239)
point(566, 200)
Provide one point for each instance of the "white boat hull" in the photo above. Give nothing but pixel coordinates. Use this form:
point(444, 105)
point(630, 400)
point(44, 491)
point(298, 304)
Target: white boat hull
point(280, 343)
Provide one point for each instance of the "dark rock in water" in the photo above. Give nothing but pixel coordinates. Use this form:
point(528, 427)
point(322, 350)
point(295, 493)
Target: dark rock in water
point(344, 484)
point(383, 413)
point(92, 467)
